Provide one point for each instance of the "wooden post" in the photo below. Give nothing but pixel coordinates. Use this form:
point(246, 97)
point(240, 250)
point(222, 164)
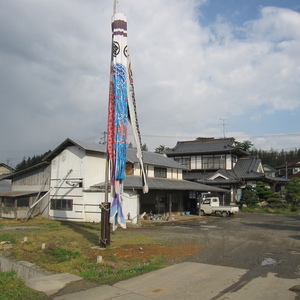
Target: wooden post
point(170, 205)
point(104, 240)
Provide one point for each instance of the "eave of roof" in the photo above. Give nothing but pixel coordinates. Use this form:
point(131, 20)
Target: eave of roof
point(219, 181)
point(15, 194)
point(41, 165)
point(154, 159)
point(6, 166)
point(207, 146)
point(135, 182)
point(87, 146)
point(290, 164)
point(149, 158)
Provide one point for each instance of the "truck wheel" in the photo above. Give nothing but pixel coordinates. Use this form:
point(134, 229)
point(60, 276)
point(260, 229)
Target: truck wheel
point(202, 213)
point(224, 214)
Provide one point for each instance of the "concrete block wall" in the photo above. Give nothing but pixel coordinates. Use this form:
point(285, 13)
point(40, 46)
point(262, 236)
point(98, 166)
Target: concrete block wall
point(24, 269)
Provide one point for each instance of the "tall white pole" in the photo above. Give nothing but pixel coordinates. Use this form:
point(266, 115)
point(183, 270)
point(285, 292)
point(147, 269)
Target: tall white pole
point(115, 6)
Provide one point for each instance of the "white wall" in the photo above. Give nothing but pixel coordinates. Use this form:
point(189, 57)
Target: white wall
point(92, 211)
point(131, 206)
point(94, 169)
point(92, 200)
point(228, 162)
point(69, 159)
point(91, 168)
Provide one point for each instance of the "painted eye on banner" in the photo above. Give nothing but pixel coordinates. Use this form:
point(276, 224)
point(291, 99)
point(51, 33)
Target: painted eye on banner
point(116, 49)
point(125, 51)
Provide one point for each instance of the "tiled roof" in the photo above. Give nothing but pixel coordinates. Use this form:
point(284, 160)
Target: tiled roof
point(295, 175)
point(42, 165)
point(268, 168)
point(150, 158)
point(290, 164)
point(205, 146)
point(229, 175)
point(6, 166)
point(135, 182)
point(18, 193)
point(154, 159)
point(88, 146)
point(246, 167)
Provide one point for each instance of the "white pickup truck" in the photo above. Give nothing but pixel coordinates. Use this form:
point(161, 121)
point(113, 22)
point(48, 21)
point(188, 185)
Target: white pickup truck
point(211, 205)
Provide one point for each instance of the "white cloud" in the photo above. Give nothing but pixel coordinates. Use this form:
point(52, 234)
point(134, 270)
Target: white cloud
point(54, 62)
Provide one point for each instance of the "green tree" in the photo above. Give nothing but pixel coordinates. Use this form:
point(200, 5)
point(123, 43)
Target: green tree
point(293, 192)
point(31, 161)
point(144, 147)
point(249, 196)
point(276, 158)
point(162, 149)
point(245, 145)
point(262, 191)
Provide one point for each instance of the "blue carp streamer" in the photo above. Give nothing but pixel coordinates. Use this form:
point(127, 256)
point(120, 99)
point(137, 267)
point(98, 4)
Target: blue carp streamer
point(120, 121)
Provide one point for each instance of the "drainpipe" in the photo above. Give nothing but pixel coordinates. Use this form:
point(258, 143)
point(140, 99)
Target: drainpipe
point(170, 205)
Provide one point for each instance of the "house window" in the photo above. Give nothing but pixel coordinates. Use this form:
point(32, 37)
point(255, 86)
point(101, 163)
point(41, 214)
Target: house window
point(213, 162)
point(61, 204)
point(185, 161)
point(160, 172)
point(23, 202)
point(192, 195)
point(198, 162)
point(129, 169)
point(219, 161)
point(207, 162)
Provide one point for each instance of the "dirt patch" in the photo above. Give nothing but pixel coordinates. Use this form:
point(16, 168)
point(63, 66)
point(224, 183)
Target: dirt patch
point(76, 286)
point(146, 252)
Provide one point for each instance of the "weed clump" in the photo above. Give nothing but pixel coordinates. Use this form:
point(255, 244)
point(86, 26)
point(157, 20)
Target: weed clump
point(62, 254)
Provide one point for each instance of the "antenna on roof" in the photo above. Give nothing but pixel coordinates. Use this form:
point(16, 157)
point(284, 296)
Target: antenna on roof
point(223, 124)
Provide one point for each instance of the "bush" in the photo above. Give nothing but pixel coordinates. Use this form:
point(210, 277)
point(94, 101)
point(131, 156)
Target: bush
point(249, 196)
point(293, 192)
point(262, 191)
point(277, 203)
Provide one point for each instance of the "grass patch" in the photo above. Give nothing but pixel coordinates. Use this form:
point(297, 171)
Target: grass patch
point(62, 254)
point(69, 247)
point(111, 272)
point(8, 237)
point(66, 247)
point(13, 287)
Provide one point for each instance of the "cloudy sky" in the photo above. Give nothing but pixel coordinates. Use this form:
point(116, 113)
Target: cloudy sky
point(202, 68)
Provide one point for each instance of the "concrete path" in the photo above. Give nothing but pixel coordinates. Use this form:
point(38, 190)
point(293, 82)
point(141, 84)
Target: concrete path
point(186, 281)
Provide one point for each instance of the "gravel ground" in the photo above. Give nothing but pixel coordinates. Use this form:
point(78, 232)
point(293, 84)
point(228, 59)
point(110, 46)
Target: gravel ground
point(261, 243)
